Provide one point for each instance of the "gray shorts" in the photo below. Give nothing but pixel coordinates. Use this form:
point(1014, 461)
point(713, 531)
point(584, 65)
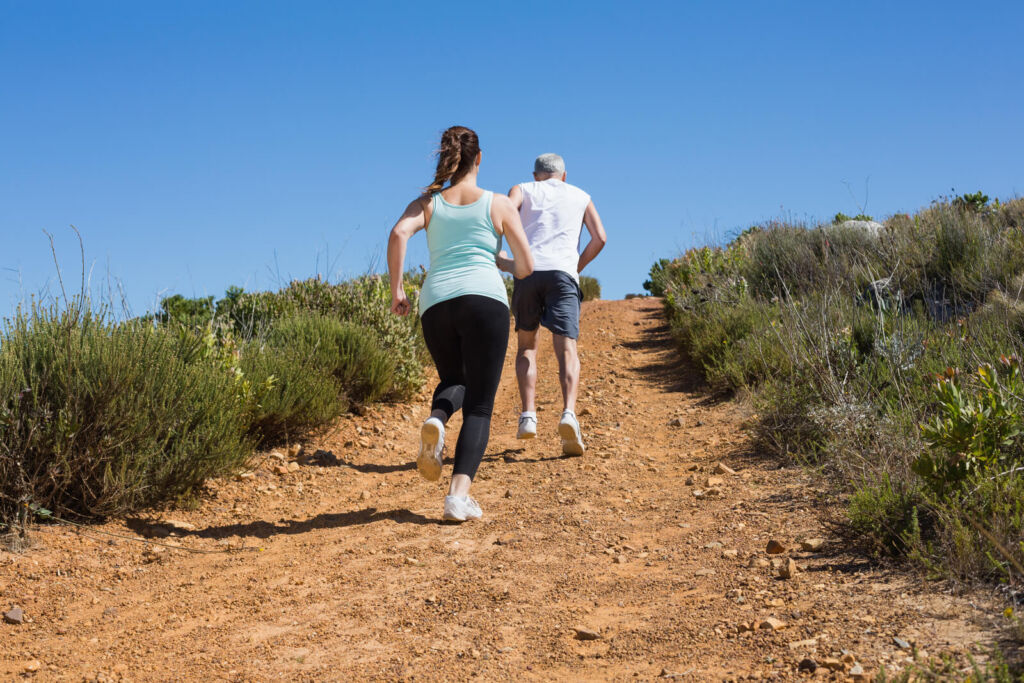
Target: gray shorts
point(550, 298)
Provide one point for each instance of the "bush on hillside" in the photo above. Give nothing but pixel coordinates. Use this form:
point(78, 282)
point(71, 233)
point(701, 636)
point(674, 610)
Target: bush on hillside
point(974, 201)
point(590, 287)
point(842, 218)
point(655, 286)
point(99, 418)
point(979, 425)
point(295, 398)
point(364, 301)
point(189, 313)
point(350, 353)
point(838, 332)
point(309, 368)
point(102, 418)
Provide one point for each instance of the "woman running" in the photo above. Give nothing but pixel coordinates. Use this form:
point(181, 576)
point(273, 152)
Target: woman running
point(463, 306)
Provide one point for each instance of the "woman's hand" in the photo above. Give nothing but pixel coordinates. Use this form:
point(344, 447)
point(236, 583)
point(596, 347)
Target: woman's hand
point(412, 220)
point(400, 303)
point(521, 264)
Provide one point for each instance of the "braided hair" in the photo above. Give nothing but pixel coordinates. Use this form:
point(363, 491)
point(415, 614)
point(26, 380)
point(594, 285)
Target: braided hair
point(455, 158)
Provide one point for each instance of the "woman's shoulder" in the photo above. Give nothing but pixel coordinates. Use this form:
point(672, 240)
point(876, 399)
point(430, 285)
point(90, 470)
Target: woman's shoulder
point(499, 200)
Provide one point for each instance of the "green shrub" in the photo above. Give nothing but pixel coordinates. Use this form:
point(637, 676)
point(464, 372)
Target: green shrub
point(190, 313)
point(788, 426)
point(791, 261)
point(976, 202)
point(886, 514)
point(102, 418)
point(294, 398)
point(349, 353)
point(734, 344)
point(656, 284)
point(98, 418)
point(862, 334)
point(364, 301)
point(837, 333)
point(590, 287)
point(308, 369)
point(842, 218)
point(978, 427)
point(977, 535)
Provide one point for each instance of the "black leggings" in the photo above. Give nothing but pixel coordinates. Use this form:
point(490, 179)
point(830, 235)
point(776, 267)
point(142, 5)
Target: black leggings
point(467, 337)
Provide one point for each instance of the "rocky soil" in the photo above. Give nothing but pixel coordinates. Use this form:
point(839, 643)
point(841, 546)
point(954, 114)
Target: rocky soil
point(669, 550)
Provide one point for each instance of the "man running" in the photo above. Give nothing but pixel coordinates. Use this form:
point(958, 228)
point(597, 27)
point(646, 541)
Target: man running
point(553, 213)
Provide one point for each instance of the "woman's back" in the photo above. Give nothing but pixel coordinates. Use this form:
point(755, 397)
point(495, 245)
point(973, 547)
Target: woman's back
point(463, 243)
point(463, 306)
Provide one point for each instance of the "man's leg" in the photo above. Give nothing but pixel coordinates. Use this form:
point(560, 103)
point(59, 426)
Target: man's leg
point(568, 370)
point(562, 310)
point(526, 369)
point(527, 306)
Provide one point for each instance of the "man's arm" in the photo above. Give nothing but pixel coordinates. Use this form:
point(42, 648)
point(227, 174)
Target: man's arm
point(512, 230)
point(598, 238)
point(503, 260)
point(516, 195)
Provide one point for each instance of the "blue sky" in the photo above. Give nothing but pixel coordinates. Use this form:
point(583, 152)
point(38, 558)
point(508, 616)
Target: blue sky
point(201, 144)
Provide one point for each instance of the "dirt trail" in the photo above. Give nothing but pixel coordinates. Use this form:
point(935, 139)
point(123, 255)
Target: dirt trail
point(346, 574)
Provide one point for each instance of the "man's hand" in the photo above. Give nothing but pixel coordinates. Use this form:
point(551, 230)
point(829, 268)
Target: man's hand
point(505, 262)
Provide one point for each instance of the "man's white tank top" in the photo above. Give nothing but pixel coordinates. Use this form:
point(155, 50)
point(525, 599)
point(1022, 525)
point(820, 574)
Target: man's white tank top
point(552, 215)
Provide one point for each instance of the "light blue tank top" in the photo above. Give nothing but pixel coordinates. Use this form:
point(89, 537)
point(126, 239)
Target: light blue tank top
point(462, 243)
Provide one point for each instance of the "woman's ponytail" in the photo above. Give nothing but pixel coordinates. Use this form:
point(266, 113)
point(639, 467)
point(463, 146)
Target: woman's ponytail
point(456, 156)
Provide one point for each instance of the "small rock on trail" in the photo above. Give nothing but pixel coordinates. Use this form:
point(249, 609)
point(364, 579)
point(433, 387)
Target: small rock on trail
point(771, 624)
point(584, 633)
point(788, 569)
point(812, 544)
point(15, 615)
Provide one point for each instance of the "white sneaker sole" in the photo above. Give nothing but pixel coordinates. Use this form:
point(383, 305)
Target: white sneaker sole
point(449, 517)
point(572, 444)
point(427, 463)
point(526, 435)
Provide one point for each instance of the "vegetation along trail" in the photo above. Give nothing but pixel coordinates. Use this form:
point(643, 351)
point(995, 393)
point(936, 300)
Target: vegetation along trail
point(645, 558)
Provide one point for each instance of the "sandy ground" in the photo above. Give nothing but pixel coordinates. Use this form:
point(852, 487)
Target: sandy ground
point(338, 568)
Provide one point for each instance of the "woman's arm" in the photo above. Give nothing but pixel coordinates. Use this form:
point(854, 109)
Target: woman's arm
point(512, 229)
point(411, 222)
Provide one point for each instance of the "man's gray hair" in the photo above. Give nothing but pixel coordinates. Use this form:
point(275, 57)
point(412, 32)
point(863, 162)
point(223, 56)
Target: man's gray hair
point(549, 163)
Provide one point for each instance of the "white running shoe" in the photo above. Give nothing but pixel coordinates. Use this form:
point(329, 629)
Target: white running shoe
point(461, 509)
point(431, 446)
point(569, 430)
point(527, 427)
